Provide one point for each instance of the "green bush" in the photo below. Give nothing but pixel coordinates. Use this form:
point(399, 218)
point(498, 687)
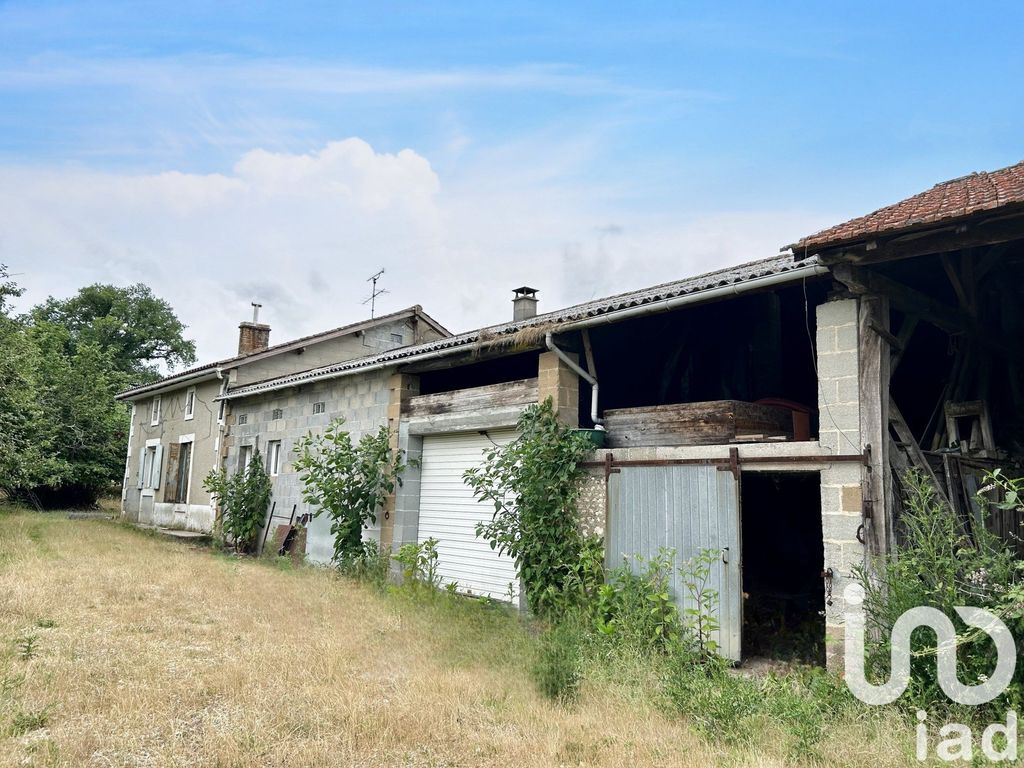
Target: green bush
point(243, 498)
point(634, 607)
point(349, 482)
point(419, 564)
point(533, 484)
point(558, 666)
point(942, 565)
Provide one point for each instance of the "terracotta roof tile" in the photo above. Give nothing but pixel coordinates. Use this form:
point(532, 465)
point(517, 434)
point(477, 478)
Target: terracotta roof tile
point(950, 200)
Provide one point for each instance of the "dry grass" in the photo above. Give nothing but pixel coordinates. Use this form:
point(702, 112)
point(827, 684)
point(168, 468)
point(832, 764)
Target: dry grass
point(121, 649)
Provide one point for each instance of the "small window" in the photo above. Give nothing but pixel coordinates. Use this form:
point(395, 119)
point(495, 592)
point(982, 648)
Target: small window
point(277, 414)
point(190, 403)
point(397, 338)
point(274, 457)
point(179, 470)
point(243, 419)
point(319, 408)
point(244, 457)
point(222, 411)
point(154, 411)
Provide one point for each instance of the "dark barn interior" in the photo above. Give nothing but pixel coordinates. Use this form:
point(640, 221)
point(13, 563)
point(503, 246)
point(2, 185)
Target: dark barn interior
point(783, 559)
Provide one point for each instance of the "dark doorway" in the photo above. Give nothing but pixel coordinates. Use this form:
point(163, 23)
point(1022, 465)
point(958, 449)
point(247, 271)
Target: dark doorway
point(782, 562)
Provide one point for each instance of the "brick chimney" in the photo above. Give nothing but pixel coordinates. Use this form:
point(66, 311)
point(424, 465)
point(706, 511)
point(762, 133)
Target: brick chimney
point(524, 305)
point(253, 336)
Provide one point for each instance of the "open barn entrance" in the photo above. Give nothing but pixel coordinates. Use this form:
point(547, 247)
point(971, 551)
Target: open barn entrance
point(782, 563)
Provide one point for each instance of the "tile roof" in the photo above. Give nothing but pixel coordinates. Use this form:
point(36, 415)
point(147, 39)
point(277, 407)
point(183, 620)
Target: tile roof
point(579, 313)
point(209, 369)
point(948, 201)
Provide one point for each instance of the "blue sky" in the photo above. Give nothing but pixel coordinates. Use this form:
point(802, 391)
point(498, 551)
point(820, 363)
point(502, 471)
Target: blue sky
point(582, 148)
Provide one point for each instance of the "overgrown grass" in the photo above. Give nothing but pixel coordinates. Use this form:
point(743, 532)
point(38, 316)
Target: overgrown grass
point(154, 652)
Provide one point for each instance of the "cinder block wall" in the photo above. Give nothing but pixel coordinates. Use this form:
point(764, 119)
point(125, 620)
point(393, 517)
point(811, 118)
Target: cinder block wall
point(561, 383)
point(841, 495)
point(362, 399)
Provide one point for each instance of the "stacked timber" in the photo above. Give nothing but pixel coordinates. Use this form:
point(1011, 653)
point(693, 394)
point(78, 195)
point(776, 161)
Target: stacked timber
point(708, 423)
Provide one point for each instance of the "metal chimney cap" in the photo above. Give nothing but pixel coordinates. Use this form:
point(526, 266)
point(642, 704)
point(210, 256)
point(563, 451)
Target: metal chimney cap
point(524, 291)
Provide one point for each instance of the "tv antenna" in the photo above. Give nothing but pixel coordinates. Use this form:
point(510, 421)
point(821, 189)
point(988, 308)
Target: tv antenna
point(374, 292)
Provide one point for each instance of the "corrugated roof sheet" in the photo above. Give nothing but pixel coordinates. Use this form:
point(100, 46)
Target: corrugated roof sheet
point(579, 312)
point(948, 201)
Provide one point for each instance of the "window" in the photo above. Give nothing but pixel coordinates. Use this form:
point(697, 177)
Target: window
point(397, 338)
point(190, 403)
point(222, 411)
point(179, 470)
point(244, 457)
point(154, 411)
point(274, 457)
point(243, 419)
point(147, 466)
point(278, 413)
point(319, 408)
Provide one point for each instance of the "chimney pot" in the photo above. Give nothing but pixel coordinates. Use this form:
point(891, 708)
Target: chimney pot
point(524, 303)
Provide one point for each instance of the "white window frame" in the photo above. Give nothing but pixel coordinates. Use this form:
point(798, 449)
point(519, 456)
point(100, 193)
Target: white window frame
point(274, 458)
point(154, 411)
point(190, 403)
point(148, 462)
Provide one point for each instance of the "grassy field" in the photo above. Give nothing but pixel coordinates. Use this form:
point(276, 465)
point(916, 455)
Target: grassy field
point(120, 648)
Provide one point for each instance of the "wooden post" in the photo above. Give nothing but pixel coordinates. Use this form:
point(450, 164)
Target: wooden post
point(874, 373)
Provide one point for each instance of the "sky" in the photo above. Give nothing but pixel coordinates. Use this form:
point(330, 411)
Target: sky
point(225, 153)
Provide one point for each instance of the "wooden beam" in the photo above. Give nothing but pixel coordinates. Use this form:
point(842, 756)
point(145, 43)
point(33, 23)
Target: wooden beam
point(863, 282)
point(954, 280)
point(903, 338)
point(969, 234)
point(914, 452)
point(873, 352)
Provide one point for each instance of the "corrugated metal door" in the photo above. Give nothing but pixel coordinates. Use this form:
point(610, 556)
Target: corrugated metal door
point(686, 508)
point(449, 513)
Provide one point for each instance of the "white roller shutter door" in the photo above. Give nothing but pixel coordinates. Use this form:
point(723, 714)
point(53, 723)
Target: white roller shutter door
point(449, 513)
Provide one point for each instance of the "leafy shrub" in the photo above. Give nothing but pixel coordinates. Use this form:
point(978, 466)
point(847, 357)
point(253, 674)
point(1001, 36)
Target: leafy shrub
point(243, 498)
point(700, 617)
point(534, 484)
point(558, 666)
point(419, 564)
point(634, 607)
point(349, 482)
point(941, 565)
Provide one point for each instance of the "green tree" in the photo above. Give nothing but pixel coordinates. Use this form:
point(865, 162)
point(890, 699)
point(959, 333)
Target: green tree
point(349, 482)
point(136, 328)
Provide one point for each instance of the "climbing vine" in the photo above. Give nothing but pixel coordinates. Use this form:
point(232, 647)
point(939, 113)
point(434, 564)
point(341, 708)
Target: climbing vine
point(534, 485)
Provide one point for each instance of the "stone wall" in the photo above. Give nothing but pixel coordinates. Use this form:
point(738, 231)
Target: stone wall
point(361, 399)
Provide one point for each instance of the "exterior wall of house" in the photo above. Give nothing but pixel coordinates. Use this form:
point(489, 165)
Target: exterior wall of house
point(149, 505)
point(841, 484)
point(361, 399)
point(382, 338)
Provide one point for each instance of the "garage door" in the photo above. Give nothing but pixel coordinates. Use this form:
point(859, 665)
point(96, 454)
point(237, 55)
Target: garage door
point(449, 513)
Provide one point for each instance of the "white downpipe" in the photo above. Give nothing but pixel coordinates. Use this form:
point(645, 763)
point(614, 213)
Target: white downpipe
point(550, 343)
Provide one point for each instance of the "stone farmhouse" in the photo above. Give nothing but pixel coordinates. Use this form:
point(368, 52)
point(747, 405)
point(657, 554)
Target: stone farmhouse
point(767, 411)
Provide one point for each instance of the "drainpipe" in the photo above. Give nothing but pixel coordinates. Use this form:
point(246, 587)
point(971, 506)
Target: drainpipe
point(550, 343)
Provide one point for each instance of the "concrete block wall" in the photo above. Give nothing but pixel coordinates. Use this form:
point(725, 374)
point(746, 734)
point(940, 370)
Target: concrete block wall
point(401, 387)
point(559, 382)
point(841, 483)
point(361, 399)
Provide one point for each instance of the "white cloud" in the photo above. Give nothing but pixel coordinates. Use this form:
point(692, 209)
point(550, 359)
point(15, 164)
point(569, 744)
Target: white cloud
point(302, 232)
